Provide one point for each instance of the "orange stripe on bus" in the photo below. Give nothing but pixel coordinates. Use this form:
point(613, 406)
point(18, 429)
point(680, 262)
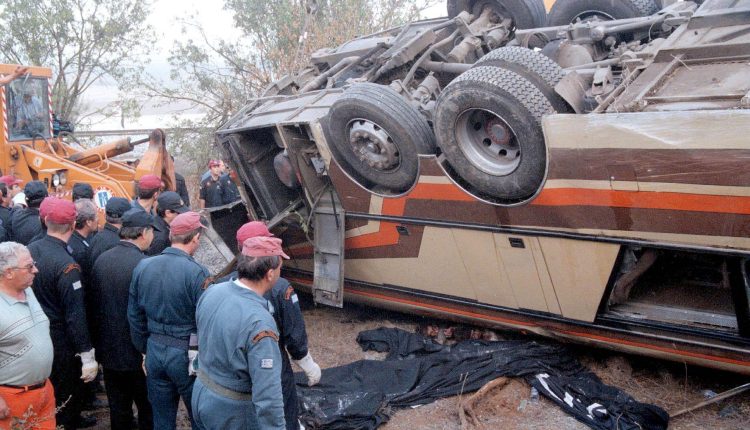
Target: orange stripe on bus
point(643, 200)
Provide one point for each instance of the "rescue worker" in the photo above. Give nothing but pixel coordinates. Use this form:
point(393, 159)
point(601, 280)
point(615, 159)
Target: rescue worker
point(5, 212)
point(124, 380)
point(25, 223)
point(58, 288)
point(24, 329)
point(82, 190)
point(230, 192)
point(161, 310)
point(293, 336)
point(181, 187)
point(239, 375)
point(108, 237)
point(11, 187)
point(169, 205)
point(148, 191)
point(87, 223)
point(212, 189)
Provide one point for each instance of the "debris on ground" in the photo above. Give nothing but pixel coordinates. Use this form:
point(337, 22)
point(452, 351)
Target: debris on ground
point(419, 371)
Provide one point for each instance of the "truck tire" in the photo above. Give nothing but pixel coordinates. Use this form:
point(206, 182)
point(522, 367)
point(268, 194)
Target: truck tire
point(565, 12)
point(488, 126)
point(524, 13)
point(378, 136)
point(539, 69)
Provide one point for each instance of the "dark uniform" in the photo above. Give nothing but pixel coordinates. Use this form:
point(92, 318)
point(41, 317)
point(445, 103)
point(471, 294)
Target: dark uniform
point(181, 187)
point(161, 309)
point(212, 191)
point(231, 194)
point(161, 237)
point(81, 252)
point(26, 226)
point(288, 316)
point(58, 288)
point(5, 214)
point(107, 238)
point(123, 377)
point(3, 233)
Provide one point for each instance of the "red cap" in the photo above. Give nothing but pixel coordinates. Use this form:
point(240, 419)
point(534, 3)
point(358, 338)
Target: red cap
point(262, 246)
point(251, 229)
point(57, 210)
point(214, 163)
point(10, 180)
point(149, 182)
point(185, 223)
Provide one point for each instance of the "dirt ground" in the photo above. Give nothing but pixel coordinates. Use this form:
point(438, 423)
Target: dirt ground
point(332, 334)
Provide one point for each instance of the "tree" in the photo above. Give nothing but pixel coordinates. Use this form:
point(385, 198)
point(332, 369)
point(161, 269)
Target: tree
point(219, 77)
point(83, 41)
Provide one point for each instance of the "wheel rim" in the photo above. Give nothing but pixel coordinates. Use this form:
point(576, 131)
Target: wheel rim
point(488, 142)
point(591, 15)
point(372, 145)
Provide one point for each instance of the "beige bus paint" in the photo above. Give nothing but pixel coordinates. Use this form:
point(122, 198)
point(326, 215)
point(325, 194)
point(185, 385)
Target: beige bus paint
point(523, 271)
point(580, 271)
point(433, 271)
point(485, 268)
point(728, 129)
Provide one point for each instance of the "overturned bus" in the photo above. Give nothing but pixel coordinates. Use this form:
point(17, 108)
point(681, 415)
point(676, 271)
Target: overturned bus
point(585, 181)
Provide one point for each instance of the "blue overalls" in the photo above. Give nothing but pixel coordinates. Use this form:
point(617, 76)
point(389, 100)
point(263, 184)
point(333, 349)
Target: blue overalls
point(164, 293)
point(239, 382)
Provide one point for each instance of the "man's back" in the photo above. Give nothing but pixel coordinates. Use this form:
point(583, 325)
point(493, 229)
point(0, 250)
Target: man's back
point(164, 292)
point(106, 239)
point(110, 284)
point(25, 225)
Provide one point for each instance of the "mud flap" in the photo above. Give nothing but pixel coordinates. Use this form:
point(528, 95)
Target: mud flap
point(328, 221)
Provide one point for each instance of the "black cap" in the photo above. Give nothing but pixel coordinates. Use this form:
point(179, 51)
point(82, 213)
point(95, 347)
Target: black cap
point(172, 201)
point(35, 191)
point(82, 190)
point(137, 218)
point(117, 206)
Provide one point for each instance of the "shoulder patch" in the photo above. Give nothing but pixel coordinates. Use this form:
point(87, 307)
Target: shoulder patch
point(71, 267)
point(289, 292)
point(266, 363)
point(266, 333)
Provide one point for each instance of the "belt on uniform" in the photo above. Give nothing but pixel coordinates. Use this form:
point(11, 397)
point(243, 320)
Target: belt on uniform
point(222, 391)
point(169, 340)
point(26, 387)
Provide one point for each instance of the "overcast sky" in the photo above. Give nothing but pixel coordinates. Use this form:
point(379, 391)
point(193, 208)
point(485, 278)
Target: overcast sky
point(166, 18)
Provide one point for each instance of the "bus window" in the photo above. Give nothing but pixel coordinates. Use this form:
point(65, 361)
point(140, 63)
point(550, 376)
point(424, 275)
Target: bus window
point(28, 111)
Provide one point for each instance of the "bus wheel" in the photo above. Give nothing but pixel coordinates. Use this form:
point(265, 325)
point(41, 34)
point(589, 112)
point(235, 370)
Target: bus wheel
point(523, 13)
point(378, 136)
point(566, 12)
point(488, 125)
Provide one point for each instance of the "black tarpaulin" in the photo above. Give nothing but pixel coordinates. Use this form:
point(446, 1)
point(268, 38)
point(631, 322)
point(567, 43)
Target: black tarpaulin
point(418, 371)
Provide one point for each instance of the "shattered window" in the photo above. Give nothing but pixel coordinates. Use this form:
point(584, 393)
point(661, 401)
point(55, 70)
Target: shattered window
point(28, 108)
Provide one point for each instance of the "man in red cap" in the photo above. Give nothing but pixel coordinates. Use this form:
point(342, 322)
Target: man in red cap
point(161, 310)
point(58, 288)
point(241, 390)
point(212, 191)
point(148, 191)
point(293, 336)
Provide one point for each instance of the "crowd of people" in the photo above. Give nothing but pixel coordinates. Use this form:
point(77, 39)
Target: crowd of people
point(129, 299)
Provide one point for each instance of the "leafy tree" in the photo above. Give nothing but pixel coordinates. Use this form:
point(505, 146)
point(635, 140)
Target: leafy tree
point(83, 41)
point(219, 77)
